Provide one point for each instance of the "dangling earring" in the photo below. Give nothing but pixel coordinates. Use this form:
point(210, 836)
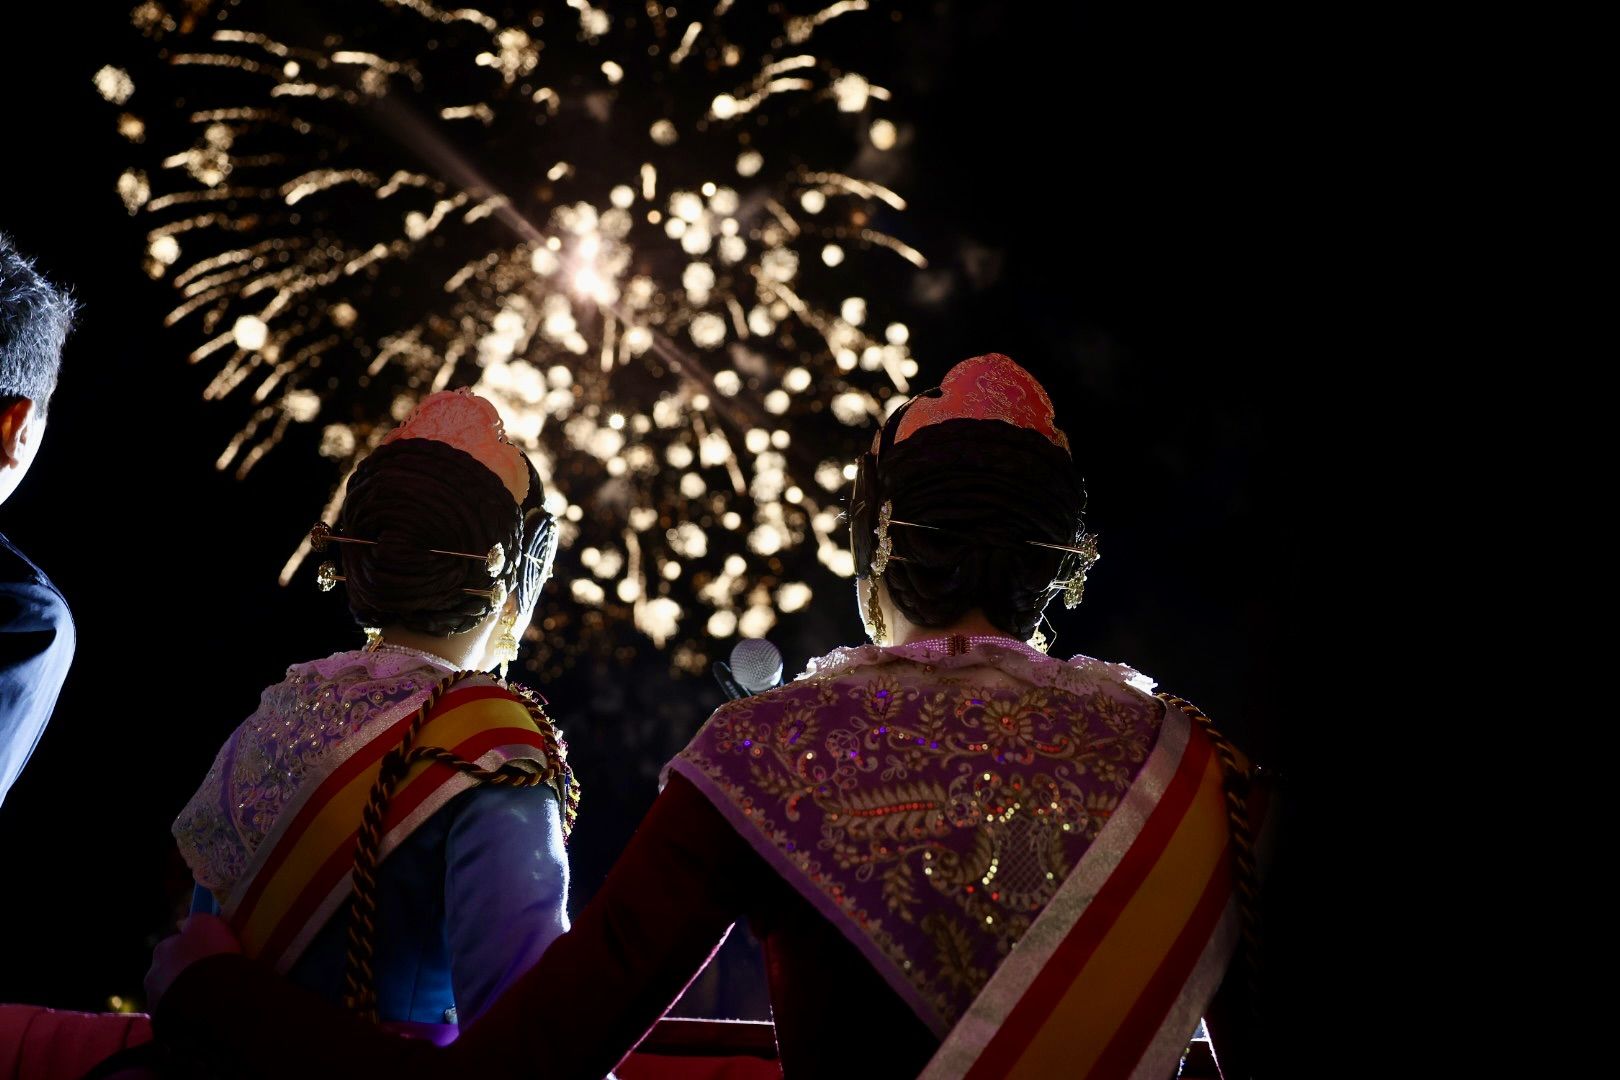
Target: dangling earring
point(1074, 589)
point(1038, 640)
point(373, 638)
point(885, 546)
point(506, 646)
point(875, 628)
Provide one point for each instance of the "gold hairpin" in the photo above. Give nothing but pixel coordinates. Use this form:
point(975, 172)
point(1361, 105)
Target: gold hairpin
point(321, 534)
point(890, 519)
point(1087, 548)
point(496, 594)
point(327, 577)
point(494, 559)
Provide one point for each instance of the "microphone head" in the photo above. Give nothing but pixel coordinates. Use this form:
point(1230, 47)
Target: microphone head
point(756, 664)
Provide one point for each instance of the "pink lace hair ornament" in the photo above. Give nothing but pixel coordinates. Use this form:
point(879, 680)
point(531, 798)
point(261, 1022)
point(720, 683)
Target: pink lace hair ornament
point(988, 387)
point(469, 423)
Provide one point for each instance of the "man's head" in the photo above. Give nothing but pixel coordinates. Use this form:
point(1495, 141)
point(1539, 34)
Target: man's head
point(34, 320)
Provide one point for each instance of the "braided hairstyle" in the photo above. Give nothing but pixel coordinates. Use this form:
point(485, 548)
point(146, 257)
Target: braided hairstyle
point(414, 495)
point(986, 487)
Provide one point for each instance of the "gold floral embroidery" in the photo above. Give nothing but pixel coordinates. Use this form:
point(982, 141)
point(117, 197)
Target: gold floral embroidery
point(953, 952)
point(938, 814)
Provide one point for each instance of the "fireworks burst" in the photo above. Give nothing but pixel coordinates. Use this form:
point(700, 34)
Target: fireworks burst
point(632, 230)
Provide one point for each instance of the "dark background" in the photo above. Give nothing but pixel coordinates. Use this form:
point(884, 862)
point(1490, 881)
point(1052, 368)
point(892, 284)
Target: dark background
point(1117, 195)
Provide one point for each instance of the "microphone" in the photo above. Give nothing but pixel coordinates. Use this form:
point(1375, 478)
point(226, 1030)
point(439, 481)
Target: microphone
point(756, 666)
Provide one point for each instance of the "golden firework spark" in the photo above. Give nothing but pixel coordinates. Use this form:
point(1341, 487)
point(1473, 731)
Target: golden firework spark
point(603, 220)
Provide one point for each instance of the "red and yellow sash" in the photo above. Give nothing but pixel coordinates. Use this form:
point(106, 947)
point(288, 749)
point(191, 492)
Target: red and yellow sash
point(301, 874)
point(1111, 979)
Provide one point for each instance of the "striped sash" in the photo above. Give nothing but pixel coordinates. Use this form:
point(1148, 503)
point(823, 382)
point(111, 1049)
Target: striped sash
point(300, 876)
point(1112, 977)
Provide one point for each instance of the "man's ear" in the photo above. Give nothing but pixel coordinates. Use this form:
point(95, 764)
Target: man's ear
point(15, 420)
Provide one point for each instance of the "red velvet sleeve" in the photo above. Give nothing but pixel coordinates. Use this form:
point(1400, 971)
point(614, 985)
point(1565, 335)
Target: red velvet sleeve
point(664, 909)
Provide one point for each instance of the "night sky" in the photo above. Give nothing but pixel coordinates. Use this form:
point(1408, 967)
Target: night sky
point(1108, 191)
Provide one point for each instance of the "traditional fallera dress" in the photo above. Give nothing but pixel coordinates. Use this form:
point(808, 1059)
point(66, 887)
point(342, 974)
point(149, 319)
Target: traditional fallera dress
point(473, 881)
point(1008, 840)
